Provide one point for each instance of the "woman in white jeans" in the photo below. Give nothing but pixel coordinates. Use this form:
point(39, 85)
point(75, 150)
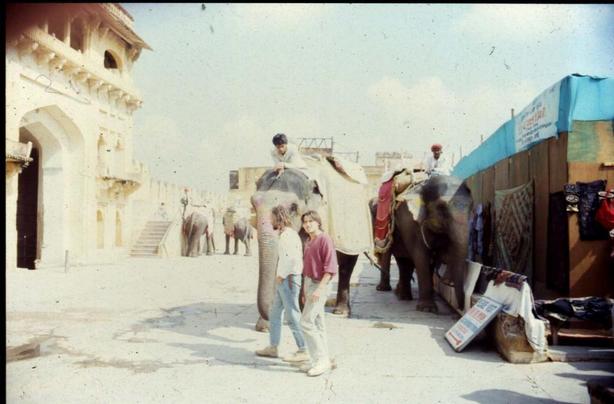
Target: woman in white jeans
point(319, 266)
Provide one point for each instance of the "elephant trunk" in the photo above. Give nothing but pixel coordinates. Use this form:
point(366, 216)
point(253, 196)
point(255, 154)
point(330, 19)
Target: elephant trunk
point(267, 260)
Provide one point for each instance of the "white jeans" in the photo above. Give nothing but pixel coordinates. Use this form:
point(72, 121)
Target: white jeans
point(312, 323)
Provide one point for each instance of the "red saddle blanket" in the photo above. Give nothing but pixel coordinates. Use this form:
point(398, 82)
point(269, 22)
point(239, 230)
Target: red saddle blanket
point(384, 208)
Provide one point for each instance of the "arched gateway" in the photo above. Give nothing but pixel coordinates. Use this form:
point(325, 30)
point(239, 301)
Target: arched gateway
point(50, 190)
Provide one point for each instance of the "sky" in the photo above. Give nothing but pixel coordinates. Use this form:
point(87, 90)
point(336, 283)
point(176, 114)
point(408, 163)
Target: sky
point(223, 79)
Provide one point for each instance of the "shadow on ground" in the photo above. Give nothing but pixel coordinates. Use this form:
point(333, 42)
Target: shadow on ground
point(493, 396)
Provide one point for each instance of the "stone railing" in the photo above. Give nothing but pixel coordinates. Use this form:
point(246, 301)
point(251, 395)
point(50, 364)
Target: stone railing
point(77, 66)
point(18, 152)
point(119, 14)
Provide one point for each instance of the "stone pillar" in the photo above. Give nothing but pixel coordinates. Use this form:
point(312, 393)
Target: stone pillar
point(12, 176)
point(52, 215)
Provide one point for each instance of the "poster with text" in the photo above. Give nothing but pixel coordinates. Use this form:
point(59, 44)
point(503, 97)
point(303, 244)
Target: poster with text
point(474, 321)
point(538, 120)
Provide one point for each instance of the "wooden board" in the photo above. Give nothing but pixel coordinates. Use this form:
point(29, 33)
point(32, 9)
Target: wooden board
point(519, 169)
point(557, 161)
point(502, 175)
point(538, 163)
point(488, 186)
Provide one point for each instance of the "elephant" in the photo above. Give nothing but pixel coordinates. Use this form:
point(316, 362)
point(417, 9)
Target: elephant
point(194, 226)
point(298, 193)
point(439, 234)
point(239, 228)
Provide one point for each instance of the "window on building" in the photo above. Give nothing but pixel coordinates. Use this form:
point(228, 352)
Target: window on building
point(77, 38)
point(57, 29)
point(100, 230)
point(234, 179)
point(118, 230)
point(109, 61)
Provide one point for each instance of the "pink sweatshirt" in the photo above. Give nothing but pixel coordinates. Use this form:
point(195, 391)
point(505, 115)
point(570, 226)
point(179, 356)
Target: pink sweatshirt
point(319, 257)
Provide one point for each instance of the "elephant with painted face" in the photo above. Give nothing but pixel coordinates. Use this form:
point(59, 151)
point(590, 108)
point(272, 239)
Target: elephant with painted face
point(298, 194)
point(237, 226)
point(423, 238)
point(196, 224)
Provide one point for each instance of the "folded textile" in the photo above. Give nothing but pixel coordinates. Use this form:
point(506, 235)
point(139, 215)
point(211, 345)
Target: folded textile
point(500, 276)
point(590, 308)
point(519, 302)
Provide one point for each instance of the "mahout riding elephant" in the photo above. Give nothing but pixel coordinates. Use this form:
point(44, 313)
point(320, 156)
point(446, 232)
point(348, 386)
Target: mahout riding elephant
point(437, 233)
point(298, 193)
point(195, 225)
point(237, 226)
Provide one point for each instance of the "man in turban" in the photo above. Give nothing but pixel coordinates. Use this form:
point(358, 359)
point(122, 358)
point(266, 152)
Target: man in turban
point(436, 164)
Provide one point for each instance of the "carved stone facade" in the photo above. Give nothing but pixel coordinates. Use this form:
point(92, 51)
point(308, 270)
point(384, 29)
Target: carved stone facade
point(71, 180)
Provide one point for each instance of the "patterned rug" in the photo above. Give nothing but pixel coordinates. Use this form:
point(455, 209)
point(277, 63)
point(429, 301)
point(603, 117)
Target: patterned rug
point(514, 229)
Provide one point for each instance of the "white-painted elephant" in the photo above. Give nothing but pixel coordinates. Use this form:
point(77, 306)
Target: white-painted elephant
point(237, 226)
point(343, 205)
point(196, 225)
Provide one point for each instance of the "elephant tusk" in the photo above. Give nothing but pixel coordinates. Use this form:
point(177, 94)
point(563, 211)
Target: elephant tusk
point(424, 238)
point(372, 261)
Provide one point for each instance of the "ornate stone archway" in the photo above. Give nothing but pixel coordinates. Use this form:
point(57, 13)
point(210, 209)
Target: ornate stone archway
point(60, 187)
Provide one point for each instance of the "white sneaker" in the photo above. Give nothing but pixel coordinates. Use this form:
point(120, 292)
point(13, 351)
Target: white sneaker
point(298, 356)
point(305, 367)
point(319, 369)
point(269, 352)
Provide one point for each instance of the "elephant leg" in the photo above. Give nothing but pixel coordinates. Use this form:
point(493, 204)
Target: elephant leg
point(227, 237)
point(193, 245)
point(426, 300)
point(209, 238)
point(459, 269)
point(248, 243)
point(406, 269)
point(236, 252)
point(212, 243)
point(384, 275)
point(346, 267)
point(262, 325)
point(420, 255)
point(184, 245)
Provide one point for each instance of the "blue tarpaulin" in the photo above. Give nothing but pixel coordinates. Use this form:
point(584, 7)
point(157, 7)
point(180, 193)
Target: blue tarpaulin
point(582, 98)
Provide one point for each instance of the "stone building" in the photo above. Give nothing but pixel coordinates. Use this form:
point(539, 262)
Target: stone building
point(70, 99)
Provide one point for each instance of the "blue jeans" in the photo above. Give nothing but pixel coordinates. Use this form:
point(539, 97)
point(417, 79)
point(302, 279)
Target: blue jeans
point(286, 298)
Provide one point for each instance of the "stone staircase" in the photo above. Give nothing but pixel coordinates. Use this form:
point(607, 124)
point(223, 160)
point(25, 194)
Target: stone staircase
point(147, 244)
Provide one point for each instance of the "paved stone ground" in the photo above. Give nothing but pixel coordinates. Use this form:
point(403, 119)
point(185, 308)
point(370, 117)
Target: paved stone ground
point(181, 330)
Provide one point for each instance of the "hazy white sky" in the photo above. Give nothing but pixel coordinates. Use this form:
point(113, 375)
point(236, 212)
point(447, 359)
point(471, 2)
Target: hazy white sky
point(224, 78)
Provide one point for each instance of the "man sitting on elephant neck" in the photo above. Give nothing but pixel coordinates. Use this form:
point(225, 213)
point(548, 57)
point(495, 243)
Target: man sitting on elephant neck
point(285, 155)
point(436, 164)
